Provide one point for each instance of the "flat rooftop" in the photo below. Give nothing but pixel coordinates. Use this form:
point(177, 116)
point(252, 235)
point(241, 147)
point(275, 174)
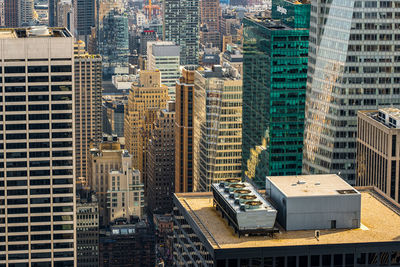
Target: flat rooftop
point(379, 223)
point(312, 185)
point(34, 32)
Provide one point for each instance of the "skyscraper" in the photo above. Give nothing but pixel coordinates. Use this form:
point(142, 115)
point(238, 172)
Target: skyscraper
point(146, 99)
point(164, 56)
point(351, 67)
point(25, 14)
point(217, 125)
point(114, 44)
point(88, 122)
point(37, 185)
point(181, 25)
point(11, 8)
point(161, 162)
point(210, 13)
point(274, 87)
point(378, 150)
point(184, 131)
point(85, 18)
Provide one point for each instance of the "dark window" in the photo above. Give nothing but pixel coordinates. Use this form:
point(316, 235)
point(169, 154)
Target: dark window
point(14, 89)
point(14, 69)
point(38, 79)
point(19, 117)
point(15, 136)
point(61, 97)
point(15, 127)
point(15, 98)
point(61, 68)
point(14, 79)
point(38, 88)
point(38, 69)
point(39, 135)
point(15, 108)
point(66, 88)
point(38, 107)
point(63, 78)
point(38, 98)
point(38, 116)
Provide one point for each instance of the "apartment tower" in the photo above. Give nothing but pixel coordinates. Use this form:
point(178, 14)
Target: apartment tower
point(37, 185)
point(378, 150)
point(274, 88)
point(181, 26)
point(217, 124)
point(184, 131)
point(352, 67)
point(88, 106)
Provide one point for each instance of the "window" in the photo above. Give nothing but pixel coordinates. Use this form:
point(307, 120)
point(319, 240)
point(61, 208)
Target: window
point(333, 224)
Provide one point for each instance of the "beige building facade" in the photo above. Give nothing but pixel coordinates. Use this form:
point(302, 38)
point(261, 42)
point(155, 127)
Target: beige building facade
point(88, 105)
point(217, 140)
point(146, 99)
point(37, 168)
point(378, 150)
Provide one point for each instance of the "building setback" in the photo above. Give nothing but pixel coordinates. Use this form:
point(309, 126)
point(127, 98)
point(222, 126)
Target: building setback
point(217, 149)
point(161, 162)
point(274, 88)
point(352, 67)
point(184, 131)
point(37, 168)
point(88, 120)
point(378, 150)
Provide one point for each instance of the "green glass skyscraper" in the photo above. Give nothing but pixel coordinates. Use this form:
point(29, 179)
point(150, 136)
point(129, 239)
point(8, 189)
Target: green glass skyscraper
point(274, 89)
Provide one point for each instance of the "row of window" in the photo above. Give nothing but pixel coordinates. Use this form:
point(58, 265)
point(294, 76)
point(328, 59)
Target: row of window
point(36, 79)
point(37, 88)
point(36, 69)
point(37, 107)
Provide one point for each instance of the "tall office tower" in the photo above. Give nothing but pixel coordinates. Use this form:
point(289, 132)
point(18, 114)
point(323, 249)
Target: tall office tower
point(184, 131)
point(11, 8)
point(274, 88)
point(25, 13)
point(210, 13)
point(378, 150)
point(109, 164)
point(88, 122)
point(217, 125)
point(161, 162)
point(181, 26)
point(146, 99)
point(85, 18)
point(114, 44)
point(210, 229)
point(351, 67)
point(37, 185)
point(164, 56)
point(87, 232)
